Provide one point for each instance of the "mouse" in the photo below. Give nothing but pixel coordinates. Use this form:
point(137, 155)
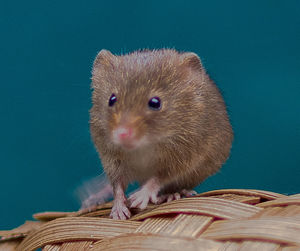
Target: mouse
point(158, 119)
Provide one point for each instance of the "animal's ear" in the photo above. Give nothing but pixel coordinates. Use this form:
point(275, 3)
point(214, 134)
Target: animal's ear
point(192, 60)
point(104, 58)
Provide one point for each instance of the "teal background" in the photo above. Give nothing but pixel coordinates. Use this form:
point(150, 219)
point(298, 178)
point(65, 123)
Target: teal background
point(250, 48)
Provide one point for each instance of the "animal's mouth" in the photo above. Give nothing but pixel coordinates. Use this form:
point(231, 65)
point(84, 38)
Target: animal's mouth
point(128, 146)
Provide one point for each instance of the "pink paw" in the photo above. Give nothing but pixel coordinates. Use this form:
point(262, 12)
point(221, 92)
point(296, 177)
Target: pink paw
point(142, 197)
point(176, 196)
point(120, 211)
point(188, 193)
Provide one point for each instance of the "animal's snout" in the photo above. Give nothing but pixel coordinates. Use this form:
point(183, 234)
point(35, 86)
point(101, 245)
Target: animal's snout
point(124, 133)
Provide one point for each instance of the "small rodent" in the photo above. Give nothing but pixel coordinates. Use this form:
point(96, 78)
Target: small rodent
point(158, 119)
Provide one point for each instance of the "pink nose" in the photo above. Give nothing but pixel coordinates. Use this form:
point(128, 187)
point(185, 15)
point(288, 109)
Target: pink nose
point(124, 133)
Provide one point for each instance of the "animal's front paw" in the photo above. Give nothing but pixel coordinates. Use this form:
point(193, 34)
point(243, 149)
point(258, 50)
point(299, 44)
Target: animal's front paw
point(188, 193)
point(176, 196)
point(141, 198)
point(120, 211)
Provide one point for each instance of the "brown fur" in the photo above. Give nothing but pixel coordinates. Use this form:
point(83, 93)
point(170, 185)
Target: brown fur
point(188, 139)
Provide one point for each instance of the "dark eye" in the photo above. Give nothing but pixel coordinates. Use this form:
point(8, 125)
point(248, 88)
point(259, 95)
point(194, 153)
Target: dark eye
point(112, 100)
point(154, 103)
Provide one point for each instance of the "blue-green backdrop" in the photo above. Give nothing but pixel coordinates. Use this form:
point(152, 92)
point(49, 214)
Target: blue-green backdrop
point(250, 48)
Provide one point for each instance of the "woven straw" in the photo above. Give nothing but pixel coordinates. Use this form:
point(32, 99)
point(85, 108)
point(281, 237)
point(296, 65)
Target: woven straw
point(217, 220)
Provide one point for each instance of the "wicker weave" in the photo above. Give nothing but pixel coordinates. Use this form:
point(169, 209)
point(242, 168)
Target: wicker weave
point(216, 220)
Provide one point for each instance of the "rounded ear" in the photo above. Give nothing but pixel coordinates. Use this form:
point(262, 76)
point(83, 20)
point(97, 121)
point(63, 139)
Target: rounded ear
point(192, 60)
point(104, 58)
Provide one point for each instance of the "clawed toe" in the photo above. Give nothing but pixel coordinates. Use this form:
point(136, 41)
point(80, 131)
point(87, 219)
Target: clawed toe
point(137, 200)
point(176, 196)
point(188, 193)
point(120, 212)
point(141, 198)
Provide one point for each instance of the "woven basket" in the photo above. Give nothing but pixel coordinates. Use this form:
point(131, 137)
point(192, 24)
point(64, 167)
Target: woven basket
point(217, 220)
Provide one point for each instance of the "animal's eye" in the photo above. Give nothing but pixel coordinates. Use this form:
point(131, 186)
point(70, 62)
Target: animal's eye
point(154, 103)
point(112, 100)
